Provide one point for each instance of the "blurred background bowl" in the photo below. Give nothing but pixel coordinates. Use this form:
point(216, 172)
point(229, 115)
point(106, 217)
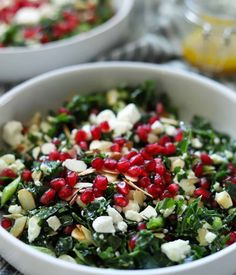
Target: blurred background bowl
point(20, 63)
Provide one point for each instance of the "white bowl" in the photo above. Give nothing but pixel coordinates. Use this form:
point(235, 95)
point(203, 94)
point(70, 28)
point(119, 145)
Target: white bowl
point(191, 93)
point(19, 63)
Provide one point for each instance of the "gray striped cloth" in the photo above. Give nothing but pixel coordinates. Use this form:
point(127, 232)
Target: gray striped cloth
point(155, 40)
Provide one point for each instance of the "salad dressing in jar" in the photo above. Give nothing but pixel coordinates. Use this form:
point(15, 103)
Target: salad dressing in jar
point(211, 41)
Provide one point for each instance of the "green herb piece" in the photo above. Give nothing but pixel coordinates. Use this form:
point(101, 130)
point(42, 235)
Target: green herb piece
point(9, 191)
point(155, 223)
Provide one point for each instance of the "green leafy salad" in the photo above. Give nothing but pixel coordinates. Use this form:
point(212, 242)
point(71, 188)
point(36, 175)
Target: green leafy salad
point(116, 180)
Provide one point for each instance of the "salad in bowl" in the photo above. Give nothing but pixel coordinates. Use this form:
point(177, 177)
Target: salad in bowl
point(117, 180)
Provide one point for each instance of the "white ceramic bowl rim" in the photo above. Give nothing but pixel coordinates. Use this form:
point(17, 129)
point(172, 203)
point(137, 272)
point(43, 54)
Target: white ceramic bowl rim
point(118, 17)
point(112, 65)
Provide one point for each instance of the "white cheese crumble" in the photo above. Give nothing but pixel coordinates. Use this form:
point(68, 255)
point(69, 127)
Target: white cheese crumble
point(106, 115)
point(116, 216)
point(224, 200)
point(217, 159)
point(132, 205)
point(176, 250)
point(75, 165)
point(101, 145)
point(148, 212)
point(210, 237)
point(33, 228)
point(27, 16)
point(130, 113)
point(12, 133)
point(122, 226)
point(8, 158)
point(170, 130)
point(3, 165)
point(54, 223)
point(103, 224)
point(133, 216)
point(196, 143)
point(157, 127)
point(15, 209)
point(47, 148)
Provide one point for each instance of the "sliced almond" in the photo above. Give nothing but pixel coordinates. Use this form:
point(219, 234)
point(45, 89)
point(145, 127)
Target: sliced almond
point(18, 226)
point(112, 172)
point(110, 177)
point(13, 216)
point(171, 121)
point(87, 172)
point(26, 199)
point(66, 131)
point(137, 188)
point(82, 185)
point(129, 178)
point(82, 234)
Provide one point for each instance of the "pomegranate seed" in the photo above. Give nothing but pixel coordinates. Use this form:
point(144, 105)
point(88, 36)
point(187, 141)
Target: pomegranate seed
point(96, 132)
point(110, 164)
point(153, 119)
point(97, 193)
point(141, 226)
point(131, 154)
point(100, 182)
point(232, 238)
point(166, 194)
point(54, 155)
point(132, 242)
point(65, 192)
point(120, 141)
point(145, 155)
point(83, 145)
point(206, 159)
point(26, 175)
point(198, 170)
point(150, 165)
point(164, 139)
point(143, 131)
point(81, 135)
point(231, 168)
point(64, 156)
point(173, 188)
point(154, 149)
point(160, 109)
point(97, 163)
point(71, 178)
point(201, 192)
point(123, 166)
point(154, 190)
point(170, 148)
point(120, 200)
point(57, 183)
point(144, 182)
point(6, 223)
point(63, 110)
point(204, 183)
point(87, 196)
point(105, 127)
point(134, 171)
point(115, 148)
point(8, 173)
point(48, 196)
point(233, 180)
point(179, 136)
point(56, 141)
point(137, 160)
point(160, 169)
point(167, 178)
point(123, 188)
point(68, 229)
point(158, 180)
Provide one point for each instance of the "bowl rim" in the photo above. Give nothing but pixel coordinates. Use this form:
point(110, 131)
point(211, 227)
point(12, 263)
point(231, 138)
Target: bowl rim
point(120, 14)
point(159, 69)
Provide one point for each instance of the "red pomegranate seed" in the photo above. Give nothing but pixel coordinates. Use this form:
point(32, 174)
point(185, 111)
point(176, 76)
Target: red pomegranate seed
point(131, 154)
point(164, 139)
point(179, 136)
point(158, 180)
point(71, 178)
point(160, 109)
point(54, 155)
point(232, 238)
point(170, 148)
point(81, 135)
point(110, 164)
point(132, 242)
point(83, 145)
point(123, 165)
point(144, 182)
point(48, 196)
point(105, 127)
point(201, 192)
point(26, 175)
point(154, 149)
point(143, 131)
point(167, 178)
point(231, 168)
point(173, 188)
point(166, 194)
point(97, 163)
point(64, 156)
point(204, 183)
point(123, 188)
point(160, 169)
point(120, 200)
point(198, 170)
point(153, 119)
point(206, 159)
point(63, 110)
point(100, 182)
point(115, 148)
point(96, 132)
point(6, 223)
point(154, 190)
point(68, 229)
point(150, 165)
point(97, 193)
point(87, 196)
point(145, 155)
point(141, 226)
point(57, 183)
point(121, 141)
point(65, 192)
point(233, 180)
point(56, 141)
point(134, 171)
point(8, 173)
point(137, 160)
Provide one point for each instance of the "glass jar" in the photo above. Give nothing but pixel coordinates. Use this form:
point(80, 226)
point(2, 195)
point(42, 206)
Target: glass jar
point(210, 36)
